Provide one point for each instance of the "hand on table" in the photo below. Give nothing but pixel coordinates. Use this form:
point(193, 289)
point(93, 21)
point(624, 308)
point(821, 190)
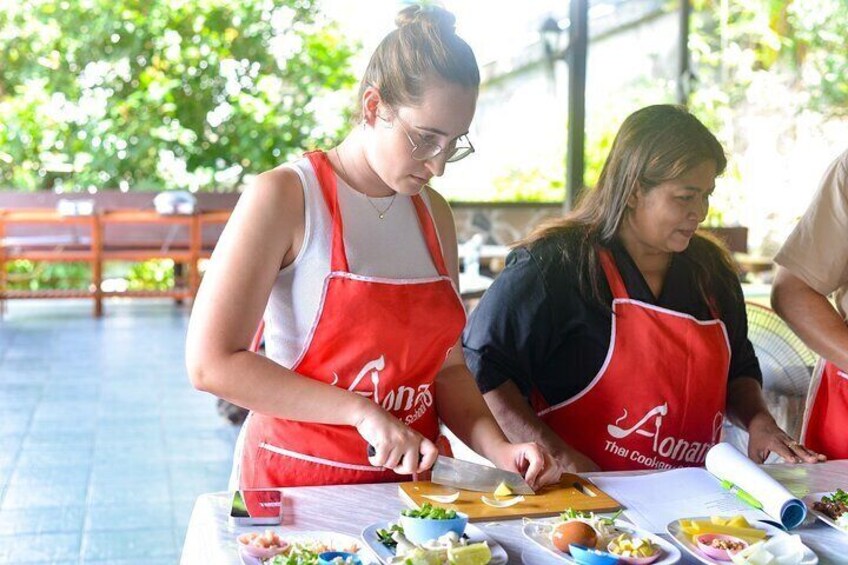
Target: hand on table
point(766, 437)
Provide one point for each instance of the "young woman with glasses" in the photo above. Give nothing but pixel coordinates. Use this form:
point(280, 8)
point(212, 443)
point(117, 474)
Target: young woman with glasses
point(616, 336)
point(352, 260)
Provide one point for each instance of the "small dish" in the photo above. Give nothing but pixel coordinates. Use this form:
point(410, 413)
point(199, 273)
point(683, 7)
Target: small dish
point(275, 547)
point(720, 546)
point(474, 534)
point(677, 533)
point(540, 534)
point(629, 560)
point(639, 560)
point(420, 530)
point(327, 541)
point(333, 557)
point(591, 556)
point(811, 499)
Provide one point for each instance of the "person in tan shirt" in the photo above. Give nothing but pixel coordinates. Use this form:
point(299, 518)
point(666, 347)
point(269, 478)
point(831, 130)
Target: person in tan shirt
point(813, 266)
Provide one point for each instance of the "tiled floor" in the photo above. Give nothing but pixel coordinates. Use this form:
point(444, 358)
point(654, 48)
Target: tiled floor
point(104, 444)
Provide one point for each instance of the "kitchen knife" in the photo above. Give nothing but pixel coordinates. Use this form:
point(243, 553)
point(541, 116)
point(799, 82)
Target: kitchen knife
point(464, 475)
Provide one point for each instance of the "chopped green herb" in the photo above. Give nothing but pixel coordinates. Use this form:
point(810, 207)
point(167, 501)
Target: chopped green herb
point(571, 514)
point(839, 496)
point(298, 556)
point(385, 536)
point(611, 520)
point(430, 512)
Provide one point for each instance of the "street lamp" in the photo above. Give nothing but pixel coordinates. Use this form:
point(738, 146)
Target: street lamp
point(574, 52)
point(552, 39)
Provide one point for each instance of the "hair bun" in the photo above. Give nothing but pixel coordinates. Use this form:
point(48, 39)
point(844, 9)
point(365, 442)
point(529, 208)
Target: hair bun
point(427, 16)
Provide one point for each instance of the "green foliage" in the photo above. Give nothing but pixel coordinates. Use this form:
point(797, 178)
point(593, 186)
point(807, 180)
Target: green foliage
point(172, 94)
point(598, 145)
point(736, 44)
point(528, 185)
point(23, 274)
point(548, 185)
point(157, 274)
point(820, 45)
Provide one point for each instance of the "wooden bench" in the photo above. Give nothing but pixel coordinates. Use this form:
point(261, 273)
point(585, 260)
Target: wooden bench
point(114, 235)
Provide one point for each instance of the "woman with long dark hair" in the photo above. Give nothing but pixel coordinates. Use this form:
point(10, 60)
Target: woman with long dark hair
point(616, 335)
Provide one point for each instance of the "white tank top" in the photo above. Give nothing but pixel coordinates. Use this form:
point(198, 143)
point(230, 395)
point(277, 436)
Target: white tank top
point(391, 247)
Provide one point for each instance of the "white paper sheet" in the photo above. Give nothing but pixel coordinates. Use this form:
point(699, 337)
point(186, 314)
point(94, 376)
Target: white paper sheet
point(653, 501)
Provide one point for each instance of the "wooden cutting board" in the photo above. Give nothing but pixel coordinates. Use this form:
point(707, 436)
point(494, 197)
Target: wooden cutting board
point(549, 501)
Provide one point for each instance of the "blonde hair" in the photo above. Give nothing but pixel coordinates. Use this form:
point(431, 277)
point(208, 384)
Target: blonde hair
point(423, 47)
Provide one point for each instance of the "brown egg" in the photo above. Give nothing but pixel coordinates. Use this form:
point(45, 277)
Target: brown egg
point(576, 532)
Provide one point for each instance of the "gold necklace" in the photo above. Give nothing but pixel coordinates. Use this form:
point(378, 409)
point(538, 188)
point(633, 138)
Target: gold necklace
point(380, 213)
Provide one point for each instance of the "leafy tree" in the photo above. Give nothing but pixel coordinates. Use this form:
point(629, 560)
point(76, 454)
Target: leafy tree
point(156, 94)
point(820, 46)
point(798, 44)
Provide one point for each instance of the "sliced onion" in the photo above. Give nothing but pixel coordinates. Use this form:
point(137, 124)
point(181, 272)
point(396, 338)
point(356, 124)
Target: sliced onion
point(442, 498)
point(502, 503)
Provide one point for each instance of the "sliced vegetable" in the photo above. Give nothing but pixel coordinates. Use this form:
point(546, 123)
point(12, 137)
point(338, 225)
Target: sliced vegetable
point(695, 527)
point(442, 498)
point(503, 490)
point(403, 544)
point(501, 503)
point(571, 514)
point(474, 554)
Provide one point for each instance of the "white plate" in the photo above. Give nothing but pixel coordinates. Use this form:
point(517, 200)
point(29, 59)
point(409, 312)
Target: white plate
point(475, 535)
point(541, 536)
point(681, 538)
point(333, 540)
point(816, 497)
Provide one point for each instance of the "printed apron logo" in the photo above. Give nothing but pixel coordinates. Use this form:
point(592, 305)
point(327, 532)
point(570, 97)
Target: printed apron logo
point(665, 447)
point(401, 399)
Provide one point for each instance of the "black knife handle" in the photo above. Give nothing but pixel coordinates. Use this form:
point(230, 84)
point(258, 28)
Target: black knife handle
point(372, 451)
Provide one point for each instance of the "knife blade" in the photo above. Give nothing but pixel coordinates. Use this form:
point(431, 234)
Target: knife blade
point(465, 475)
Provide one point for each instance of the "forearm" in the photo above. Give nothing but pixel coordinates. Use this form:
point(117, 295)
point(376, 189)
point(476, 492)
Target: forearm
point(462, 408)
point(745, 402)
point(520, 422)
point(259, 384)
point(811, 316)
point(747, 408)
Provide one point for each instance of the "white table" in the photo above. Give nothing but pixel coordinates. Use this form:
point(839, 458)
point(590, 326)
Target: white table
point(349, 509)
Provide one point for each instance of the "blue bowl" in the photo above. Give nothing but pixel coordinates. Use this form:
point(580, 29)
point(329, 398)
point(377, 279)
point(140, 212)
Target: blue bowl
point(590, 556)
point(420, 530)
point(327, 557)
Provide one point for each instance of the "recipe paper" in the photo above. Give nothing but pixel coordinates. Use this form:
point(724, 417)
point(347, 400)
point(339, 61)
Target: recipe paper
point(654, 500)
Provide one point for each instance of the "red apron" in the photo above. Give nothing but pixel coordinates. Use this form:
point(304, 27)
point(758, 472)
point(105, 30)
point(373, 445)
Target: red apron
point(826, 415)
point(658, 400)
point(385, 339)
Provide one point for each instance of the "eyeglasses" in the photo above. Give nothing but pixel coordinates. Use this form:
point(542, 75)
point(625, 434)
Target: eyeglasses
point(458, 148)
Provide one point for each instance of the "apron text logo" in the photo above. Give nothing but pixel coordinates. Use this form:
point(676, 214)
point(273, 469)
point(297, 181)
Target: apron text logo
point(401, 399)
point(668, 447)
